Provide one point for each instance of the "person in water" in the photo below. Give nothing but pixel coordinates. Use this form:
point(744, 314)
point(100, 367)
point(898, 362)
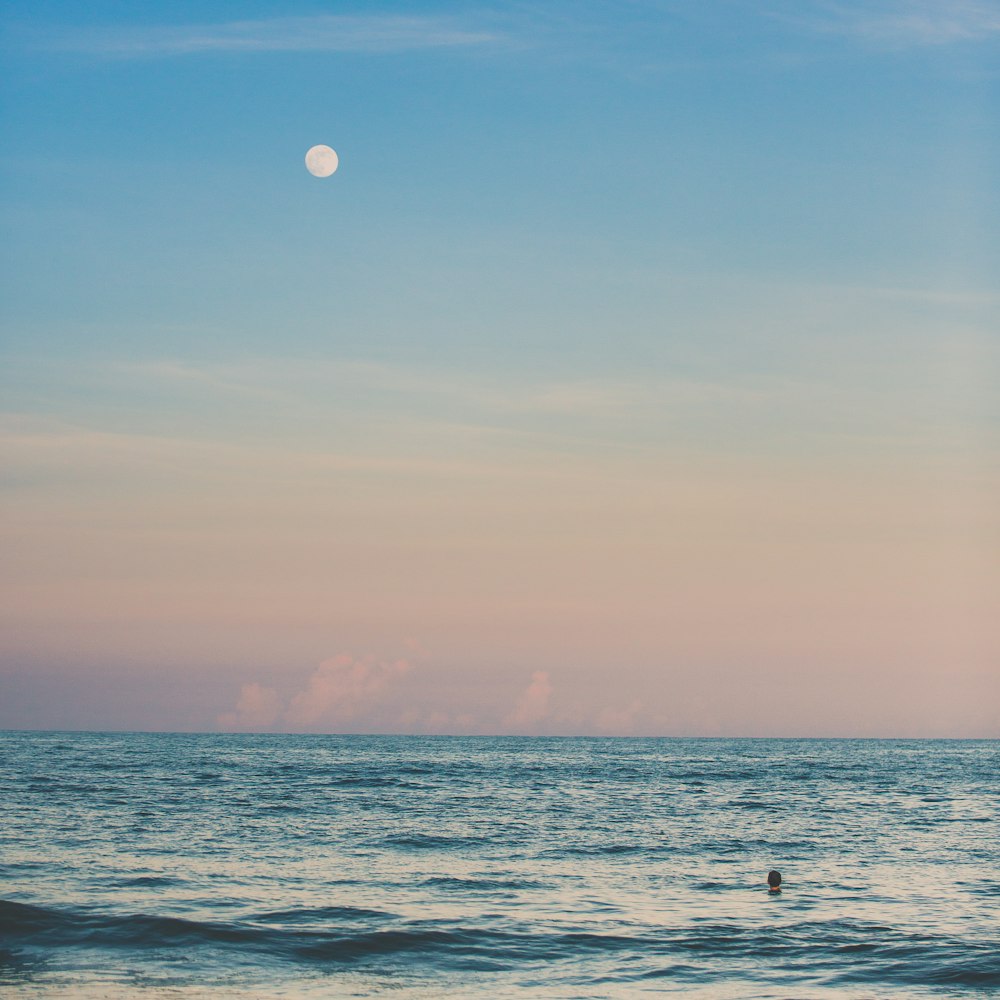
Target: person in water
point(773, 881)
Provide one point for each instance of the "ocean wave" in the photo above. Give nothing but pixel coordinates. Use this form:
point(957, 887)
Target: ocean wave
point(486, 884)
point(303, 936)
point(42, 925)
point(608, 850)
point(150, 882)
point(431, 842)
point(320, 915)
point(345, 935)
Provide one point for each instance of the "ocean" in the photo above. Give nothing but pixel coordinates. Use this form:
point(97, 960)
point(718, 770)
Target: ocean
point(217, 866)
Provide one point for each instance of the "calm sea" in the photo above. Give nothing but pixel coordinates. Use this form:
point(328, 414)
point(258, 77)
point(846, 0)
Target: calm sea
point(155, 866)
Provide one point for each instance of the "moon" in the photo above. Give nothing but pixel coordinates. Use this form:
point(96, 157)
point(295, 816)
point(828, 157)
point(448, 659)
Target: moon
point(321, 161)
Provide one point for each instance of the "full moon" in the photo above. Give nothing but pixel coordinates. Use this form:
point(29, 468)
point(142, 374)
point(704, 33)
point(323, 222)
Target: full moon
point(321, 161)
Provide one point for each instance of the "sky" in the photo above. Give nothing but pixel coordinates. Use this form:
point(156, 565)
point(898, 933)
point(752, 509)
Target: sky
point(635, 374)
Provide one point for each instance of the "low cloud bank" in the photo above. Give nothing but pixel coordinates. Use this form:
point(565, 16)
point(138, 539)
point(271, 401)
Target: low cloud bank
point(349, 693)
point(533, 707)
point(338, 691)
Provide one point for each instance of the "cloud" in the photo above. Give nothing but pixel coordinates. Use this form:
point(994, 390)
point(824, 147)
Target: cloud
point(618, 721)
point(178, 373)
point(322, 33)
point(282, 380)
point(258, 708)
point(438, 722)
point(533, 705)
point(341, 688)
point(904, 23)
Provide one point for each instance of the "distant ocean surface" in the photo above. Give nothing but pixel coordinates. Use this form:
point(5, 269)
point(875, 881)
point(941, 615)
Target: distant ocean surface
point(177, 866)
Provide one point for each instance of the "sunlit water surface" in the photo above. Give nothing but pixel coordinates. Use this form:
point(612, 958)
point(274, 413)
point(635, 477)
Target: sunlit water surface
point(157, 865)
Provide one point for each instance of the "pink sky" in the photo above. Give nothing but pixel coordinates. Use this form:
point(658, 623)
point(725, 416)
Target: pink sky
point(546, 583)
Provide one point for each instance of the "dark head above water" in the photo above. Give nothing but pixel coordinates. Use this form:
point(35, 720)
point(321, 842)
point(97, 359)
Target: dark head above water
point(774, 881)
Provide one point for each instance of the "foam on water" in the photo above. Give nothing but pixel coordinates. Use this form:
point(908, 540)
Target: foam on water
point(231, 866)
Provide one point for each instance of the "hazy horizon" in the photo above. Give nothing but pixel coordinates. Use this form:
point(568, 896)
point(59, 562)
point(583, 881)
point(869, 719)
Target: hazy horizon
point(638, 737)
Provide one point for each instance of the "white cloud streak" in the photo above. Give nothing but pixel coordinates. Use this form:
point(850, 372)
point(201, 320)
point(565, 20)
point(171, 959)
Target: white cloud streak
point(324, 33)
point(904, 23)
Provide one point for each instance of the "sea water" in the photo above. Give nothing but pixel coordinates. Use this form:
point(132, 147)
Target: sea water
point(166, 865)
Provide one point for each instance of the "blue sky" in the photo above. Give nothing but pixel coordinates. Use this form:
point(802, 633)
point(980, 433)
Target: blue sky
point(738, 259)
point(545, 155)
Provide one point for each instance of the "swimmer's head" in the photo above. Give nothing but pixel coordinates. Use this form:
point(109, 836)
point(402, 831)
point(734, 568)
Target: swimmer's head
point(774, 880)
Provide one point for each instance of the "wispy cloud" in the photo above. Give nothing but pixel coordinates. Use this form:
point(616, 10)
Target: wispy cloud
point(597, 397)
point(903, 23)
point(45, 452)
point(168, 371)
point(323, 33)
